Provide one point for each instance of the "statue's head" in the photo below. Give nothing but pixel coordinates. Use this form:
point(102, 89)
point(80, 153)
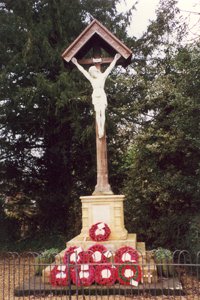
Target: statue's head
point(94, 72)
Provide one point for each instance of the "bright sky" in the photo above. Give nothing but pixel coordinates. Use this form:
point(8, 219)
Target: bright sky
point(145, 11)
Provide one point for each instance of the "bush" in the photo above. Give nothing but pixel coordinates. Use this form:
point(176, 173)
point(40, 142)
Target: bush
point(9, 229)
point(193, 236)
point(164, 259)
point(45, 258)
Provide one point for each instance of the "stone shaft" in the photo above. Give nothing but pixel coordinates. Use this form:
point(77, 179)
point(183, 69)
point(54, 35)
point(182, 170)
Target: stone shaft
point(102, 186)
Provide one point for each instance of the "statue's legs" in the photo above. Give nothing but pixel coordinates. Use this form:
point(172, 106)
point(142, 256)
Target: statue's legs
point(100, 118)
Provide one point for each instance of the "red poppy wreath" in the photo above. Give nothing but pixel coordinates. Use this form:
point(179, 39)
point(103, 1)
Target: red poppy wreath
point(99, 254)
point(105, 274)
point(84, 257)
point(83, 275)
point(126, 254)
point(129, 274)
point(72, 255)
point(99, 232)
point(59, 276)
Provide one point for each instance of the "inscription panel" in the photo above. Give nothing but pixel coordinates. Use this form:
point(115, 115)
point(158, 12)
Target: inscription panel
point(101, 213)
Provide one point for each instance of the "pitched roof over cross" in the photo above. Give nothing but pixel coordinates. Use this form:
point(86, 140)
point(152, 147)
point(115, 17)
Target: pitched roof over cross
point(97, 36)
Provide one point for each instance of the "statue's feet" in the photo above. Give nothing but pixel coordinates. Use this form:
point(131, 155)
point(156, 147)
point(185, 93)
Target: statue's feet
point(101, 132)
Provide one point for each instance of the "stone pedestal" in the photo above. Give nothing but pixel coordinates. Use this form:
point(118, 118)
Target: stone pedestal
point(105, 208)
point(110, 210)
point(111, 245)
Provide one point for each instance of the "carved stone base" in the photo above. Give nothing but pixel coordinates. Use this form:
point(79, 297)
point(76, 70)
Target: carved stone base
point(108, 209)
point(103, 208)
point(112, 245)
point(101, 190)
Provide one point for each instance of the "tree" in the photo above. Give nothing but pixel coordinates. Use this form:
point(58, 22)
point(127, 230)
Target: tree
point(22, 209)
point(163, 161)
point(47, 123)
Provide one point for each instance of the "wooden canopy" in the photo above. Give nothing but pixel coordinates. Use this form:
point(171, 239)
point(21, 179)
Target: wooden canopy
point(96, 37)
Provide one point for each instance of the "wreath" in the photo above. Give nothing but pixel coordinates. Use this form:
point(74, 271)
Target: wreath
point(59, 276)
point(83, 275)
point(126, 254)
point(99, 232)
point(129, 274)
point(84, 257)
point(72, 255)
point(105, 274)
point(99, 254)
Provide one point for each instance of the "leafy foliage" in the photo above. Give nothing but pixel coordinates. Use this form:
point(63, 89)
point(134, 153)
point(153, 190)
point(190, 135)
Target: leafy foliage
point(164, 260)
point(193, 233)
point(163, 183)
point(46, 117)
point(7, 234)
point(45, 258)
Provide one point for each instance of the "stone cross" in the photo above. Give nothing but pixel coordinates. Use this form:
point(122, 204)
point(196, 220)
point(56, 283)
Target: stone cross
point(96, 37)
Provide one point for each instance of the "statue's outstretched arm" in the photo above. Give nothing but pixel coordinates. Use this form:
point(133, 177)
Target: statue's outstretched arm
point(111, 66)
point(81, 69)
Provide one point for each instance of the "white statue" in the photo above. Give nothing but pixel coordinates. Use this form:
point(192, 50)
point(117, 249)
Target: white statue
point(99, 99)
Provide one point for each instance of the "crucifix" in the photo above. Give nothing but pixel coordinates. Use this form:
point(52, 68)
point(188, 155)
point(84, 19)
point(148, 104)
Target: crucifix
point(99, 100)
point(103, 207)
point(97, 37)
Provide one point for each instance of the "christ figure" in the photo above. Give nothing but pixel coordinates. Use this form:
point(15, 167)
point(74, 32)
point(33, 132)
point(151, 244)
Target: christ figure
point(99, 98)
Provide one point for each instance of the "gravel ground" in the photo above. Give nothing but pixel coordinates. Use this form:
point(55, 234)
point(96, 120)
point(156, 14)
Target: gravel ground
point(11, 276)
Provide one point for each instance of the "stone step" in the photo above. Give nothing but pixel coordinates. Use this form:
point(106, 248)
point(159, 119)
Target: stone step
point(111, 244)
